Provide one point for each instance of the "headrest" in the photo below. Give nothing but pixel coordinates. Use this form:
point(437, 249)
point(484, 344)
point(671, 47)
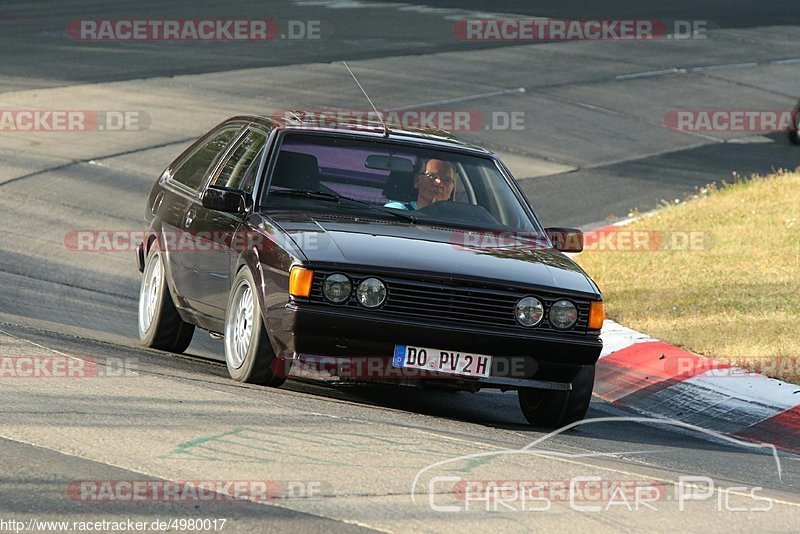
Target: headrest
point(400, 187)
point(296, 171)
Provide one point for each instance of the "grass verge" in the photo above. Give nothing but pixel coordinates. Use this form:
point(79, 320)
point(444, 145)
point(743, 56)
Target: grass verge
point(718, 275)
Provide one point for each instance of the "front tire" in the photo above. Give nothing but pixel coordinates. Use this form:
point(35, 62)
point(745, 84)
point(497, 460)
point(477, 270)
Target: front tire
point(794, 133)
point(553, 408)
point(248, 353)
point(160, 326)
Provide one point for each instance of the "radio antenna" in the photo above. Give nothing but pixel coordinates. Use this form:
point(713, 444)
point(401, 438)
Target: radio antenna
point(380, 115)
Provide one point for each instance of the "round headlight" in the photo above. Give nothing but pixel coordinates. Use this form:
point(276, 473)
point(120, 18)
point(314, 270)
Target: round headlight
point(371, 293)
point(337, 288)
point(529, 311)
point(563, 314)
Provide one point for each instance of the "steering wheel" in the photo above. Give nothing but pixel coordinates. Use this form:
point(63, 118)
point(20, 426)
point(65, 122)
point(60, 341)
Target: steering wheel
point(449, 210)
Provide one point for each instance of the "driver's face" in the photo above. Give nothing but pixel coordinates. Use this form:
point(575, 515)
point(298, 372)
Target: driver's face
point(435, 183)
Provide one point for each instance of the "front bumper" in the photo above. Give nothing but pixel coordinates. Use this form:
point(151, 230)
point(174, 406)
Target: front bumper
point(517, 358)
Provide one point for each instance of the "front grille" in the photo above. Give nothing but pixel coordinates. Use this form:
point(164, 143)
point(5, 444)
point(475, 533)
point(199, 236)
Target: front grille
point(446, 303)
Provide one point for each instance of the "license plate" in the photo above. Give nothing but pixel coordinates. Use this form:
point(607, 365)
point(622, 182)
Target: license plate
point(442, 361)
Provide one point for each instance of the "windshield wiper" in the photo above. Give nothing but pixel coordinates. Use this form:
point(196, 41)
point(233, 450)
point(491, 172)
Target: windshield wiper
point(320, 195)
point(333, 197)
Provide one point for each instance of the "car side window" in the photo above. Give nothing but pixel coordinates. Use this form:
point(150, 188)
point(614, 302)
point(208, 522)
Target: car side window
point(193, 170)
point(239, 171)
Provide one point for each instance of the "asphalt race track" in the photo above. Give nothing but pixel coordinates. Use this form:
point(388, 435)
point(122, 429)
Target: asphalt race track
point(593, 147)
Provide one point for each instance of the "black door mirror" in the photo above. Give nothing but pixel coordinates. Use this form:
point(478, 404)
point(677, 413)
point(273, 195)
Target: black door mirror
point(566, 239)
point(224, 199)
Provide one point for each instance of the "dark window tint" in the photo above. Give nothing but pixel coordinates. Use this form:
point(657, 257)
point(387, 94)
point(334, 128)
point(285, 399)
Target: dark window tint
point(240, 170)
point(193, 171)
point(480, 197)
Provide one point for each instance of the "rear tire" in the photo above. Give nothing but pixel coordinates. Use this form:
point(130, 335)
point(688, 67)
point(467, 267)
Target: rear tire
point(160, 325)
point(553, 408)
point(248, 352)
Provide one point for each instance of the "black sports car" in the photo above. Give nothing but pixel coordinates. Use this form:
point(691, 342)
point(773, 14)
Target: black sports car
point(365, 253)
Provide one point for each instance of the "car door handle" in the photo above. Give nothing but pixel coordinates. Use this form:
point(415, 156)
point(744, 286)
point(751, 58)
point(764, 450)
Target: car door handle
point(190, 215)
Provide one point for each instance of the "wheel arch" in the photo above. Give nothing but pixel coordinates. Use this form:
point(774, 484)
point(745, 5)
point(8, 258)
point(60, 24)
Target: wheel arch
point(270, 271)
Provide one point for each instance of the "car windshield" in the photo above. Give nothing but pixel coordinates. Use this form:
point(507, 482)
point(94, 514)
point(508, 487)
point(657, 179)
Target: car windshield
point(384, 179)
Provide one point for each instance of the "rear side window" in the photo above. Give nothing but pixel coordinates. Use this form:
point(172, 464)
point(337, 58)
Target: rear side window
point(193, 170)
point(240, 170)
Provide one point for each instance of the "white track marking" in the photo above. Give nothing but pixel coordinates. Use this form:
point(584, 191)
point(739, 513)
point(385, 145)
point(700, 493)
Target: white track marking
point(515, 91)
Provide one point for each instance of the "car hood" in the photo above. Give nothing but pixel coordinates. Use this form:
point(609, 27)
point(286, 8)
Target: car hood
point(388, 245)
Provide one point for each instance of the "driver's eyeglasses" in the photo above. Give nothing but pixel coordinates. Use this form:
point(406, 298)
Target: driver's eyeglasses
point(444, 179)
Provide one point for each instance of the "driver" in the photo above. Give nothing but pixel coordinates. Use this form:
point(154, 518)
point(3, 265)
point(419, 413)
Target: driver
point(434, 183)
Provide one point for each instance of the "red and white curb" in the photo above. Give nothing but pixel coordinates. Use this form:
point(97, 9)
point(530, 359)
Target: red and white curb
point(659, 379)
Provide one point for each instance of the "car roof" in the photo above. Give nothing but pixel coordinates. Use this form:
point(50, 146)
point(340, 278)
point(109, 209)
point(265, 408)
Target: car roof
point(368, 129)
